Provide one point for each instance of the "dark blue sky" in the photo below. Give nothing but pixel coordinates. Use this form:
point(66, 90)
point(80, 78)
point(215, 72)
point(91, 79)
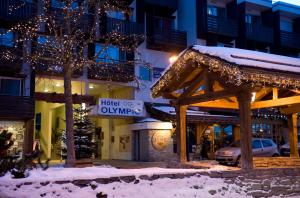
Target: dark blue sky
point(296, 2)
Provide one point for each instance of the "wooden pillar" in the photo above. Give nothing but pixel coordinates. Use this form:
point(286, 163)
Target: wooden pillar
point(181, 132)
point(236, 133)
point(293, 134)
point(28, 137)
point(200, 129)
point(244, 99)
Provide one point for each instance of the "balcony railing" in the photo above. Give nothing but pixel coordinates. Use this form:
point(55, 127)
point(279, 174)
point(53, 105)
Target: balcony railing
point(290, 39)
point(16, 107)
point(124, 27)
point(24, 10)
point(221, 25)
point(112, 72)
point(162, 36)
point(259, 32)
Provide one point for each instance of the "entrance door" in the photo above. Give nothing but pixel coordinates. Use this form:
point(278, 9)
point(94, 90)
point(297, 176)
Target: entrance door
point(136, 146)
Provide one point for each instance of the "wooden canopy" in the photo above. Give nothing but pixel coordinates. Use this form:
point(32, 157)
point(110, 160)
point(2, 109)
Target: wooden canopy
point(229, 78)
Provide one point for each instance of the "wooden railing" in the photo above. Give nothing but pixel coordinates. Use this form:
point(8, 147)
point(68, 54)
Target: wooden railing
point(16, 107)
point(259, 32)
point(290, 39)
point(223, 26)
point(25, 10)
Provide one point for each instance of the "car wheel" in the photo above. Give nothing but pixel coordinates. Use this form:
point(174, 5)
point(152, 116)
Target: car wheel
point(238, 161)
point(275, 155)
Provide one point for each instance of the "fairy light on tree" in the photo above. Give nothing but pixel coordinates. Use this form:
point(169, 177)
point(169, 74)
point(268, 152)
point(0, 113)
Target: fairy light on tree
point(58, 39)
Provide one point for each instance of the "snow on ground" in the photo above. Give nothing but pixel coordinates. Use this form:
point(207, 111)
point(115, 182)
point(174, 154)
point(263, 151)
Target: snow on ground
point(196, 186)
point(202, 186)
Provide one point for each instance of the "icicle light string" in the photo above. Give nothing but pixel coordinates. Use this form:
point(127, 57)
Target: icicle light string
point(232, 72)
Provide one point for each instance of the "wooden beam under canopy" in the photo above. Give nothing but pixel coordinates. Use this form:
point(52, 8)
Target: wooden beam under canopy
point(290, 109)
point(207, 97)
point(276, 102)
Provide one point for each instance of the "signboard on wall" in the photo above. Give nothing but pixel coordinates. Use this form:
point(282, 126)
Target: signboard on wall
point(115, 107)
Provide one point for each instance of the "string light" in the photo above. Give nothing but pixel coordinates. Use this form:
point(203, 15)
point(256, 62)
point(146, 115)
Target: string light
point(231, 72)
point(53, 44)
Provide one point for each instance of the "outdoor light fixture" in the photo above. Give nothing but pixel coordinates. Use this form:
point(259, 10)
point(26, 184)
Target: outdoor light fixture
point(83, 106)
point(253, 96)
point(58, 84)
point(173, 58)
point(91, 86)
point(46, 90)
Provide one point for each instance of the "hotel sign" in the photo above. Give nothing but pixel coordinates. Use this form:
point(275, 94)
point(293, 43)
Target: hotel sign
point(115, 107)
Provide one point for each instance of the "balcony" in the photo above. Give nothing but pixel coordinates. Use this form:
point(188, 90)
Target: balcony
point(258, 32)
point(112, 72)
point(290, 39)
point(26, 10)
point(124, 27)
point(162, 36)
point(16, 107)
point(222, 26)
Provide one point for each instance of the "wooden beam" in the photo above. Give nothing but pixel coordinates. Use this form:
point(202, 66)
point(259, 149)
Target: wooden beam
point(181, 132)
point(276, 102)
point(262, 93)
point(171, 95)
point(244, 99)
point(208, 83)
point(207, 97)
point(220, 104)
point(291, 109)
point(194, 85)
point(293, 134)
point(275, 93)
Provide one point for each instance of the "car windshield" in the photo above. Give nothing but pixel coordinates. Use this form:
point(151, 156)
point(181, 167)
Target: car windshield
point(235, 144)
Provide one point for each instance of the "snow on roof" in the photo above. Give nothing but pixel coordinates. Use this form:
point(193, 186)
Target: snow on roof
point(287, 7)
point(171, 110)
point(252, 58)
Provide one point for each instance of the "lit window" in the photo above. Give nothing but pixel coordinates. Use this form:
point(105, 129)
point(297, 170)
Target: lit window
point(145, 73)
point(213, 11)
point(116, 15)
point(6, 39)
point(10, 87)
point(108, 54)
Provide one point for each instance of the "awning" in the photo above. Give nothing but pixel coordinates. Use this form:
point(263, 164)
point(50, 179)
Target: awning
point(166, 112)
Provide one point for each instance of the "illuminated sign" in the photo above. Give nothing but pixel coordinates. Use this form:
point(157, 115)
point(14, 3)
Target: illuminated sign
point(115, 107)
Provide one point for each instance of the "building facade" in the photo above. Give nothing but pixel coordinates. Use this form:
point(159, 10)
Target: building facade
point(146, 131)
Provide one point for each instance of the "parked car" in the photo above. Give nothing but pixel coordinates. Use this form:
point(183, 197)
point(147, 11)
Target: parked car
point(285, 149)
point(260, 147)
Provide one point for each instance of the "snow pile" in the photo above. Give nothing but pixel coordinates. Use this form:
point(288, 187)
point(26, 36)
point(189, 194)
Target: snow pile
point(70, 174)
point(196, 186)
point(252, 58)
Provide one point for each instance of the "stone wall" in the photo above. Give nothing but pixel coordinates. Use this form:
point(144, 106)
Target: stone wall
point(156, 145)
point(276, 162)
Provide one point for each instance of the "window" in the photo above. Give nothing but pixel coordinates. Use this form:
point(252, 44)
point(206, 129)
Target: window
point(286, 25)
point(213, 11)
point(157, 72)
point(145, 73)
point(256, 144)
point(6, 38)
point(61, 4)
point(10, 87)
point(267, 143)
point(248, 19)
point(107, 54)
point(116, 15)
